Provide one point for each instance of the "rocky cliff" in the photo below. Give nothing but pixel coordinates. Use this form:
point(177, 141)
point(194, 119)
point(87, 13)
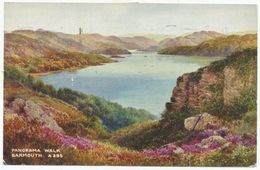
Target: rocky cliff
point(192, 91)
point(216, 85)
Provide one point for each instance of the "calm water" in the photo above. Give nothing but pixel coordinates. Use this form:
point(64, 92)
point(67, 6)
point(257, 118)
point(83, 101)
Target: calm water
point(141, 80)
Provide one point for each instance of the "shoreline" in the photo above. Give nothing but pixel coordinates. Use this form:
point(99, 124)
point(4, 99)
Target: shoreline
point(71, 69)
point(37, 75)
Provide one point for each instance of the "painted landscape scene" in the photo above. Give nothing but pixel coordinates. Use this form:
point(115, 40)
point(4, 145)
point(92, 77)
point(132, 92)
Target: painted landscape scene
point(130, 84)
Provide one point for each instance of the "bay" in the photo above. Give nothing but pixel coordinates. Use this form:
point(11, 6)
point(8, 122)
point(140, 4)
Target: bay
point(141, 80)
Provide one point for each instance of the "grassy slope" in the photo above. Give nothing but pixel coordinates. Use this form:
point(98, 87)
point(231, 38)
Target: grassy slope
point(37, 56)
point(15, 90)
point(222, 46)
point(87, 125)
point(128, 136)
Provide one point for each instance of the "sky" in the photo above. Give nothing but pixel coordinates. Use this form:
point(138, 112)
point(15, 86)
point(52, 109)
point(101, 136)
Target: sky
point(119, 19)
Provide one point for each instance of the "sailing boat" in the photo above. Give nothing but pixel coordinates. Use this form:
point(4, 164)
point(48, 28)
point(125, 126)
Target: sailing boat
point(72, 79)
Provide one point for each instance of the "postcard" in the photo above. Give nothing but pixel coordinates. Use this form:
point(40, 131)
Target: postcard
point(130, 84)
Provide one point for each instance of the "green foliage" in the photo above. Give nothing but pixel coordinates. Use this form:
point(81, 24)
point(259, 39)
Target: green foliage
point(112, 51)
point(196, 76)
point(113, 115)
point(17, 74)
point(218, 66)
point(243, 61)
point(236, 109)
point(32, 69)
point(244, 64)
point(174, 119)
point(242, 104)
point(136, 136)
point(181, 50)
point(241, 156)
point(90, 127)
point(222, 46)
point(153, 135)
point(248, 123)
point(215, 105)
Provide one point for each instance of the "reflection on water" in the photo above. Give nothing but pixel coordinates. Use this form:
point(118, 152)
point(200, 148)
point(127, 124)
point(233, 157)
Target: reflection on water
point(141, 80)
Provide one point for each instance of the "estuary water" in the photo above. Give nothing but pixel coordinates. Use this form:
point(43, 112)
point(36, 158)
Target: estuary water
point(140, 80)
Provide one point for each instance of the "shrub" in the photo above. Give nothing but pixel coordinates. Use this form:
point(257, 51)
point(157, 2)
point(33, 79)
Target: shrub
point(248, 123)
point(241, 156)
point(237, 108)
point(244, 64)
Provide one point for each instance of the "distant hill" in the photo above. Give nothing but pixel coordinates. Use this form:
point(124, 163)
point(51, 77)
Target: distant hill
point(89, 42)
point(54, 40)
point(33, 50)
point(153, 36)
point(189, 40)
point(141, 42)
point(243, 32)
point(221, 46)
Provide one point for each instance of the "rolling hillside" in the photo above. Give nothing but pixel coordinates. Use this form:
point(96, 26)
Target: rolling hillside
point(45, 51)
point(34, 55)
point(88, 42)
point(221, 46)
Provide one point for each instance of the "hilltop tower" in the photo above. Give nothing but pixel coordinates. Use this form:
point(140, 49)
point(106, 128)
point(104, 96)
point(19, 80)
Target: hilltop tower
point(80, 33)
point(80, 30)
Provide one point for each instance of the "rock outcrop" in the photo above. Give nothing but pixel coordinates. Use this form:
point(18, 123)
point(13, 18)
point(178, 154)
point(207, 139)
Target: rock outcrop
point(29, 110)
point(212, 140)
point(200, 122)
point(192, 92)
point(233, 84)
point(232, 76)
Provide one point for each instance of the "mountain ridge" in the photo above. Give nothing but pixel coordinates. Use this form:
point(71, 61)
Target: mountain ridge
point(192, 39)
point(93, 41)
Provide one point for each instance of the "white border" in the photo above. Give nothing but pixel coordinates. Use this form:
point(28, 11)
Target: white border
point(20, 167)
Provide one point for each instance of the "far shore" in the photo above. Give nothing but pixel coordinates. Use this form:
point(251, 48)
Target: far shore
point(37, 75)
